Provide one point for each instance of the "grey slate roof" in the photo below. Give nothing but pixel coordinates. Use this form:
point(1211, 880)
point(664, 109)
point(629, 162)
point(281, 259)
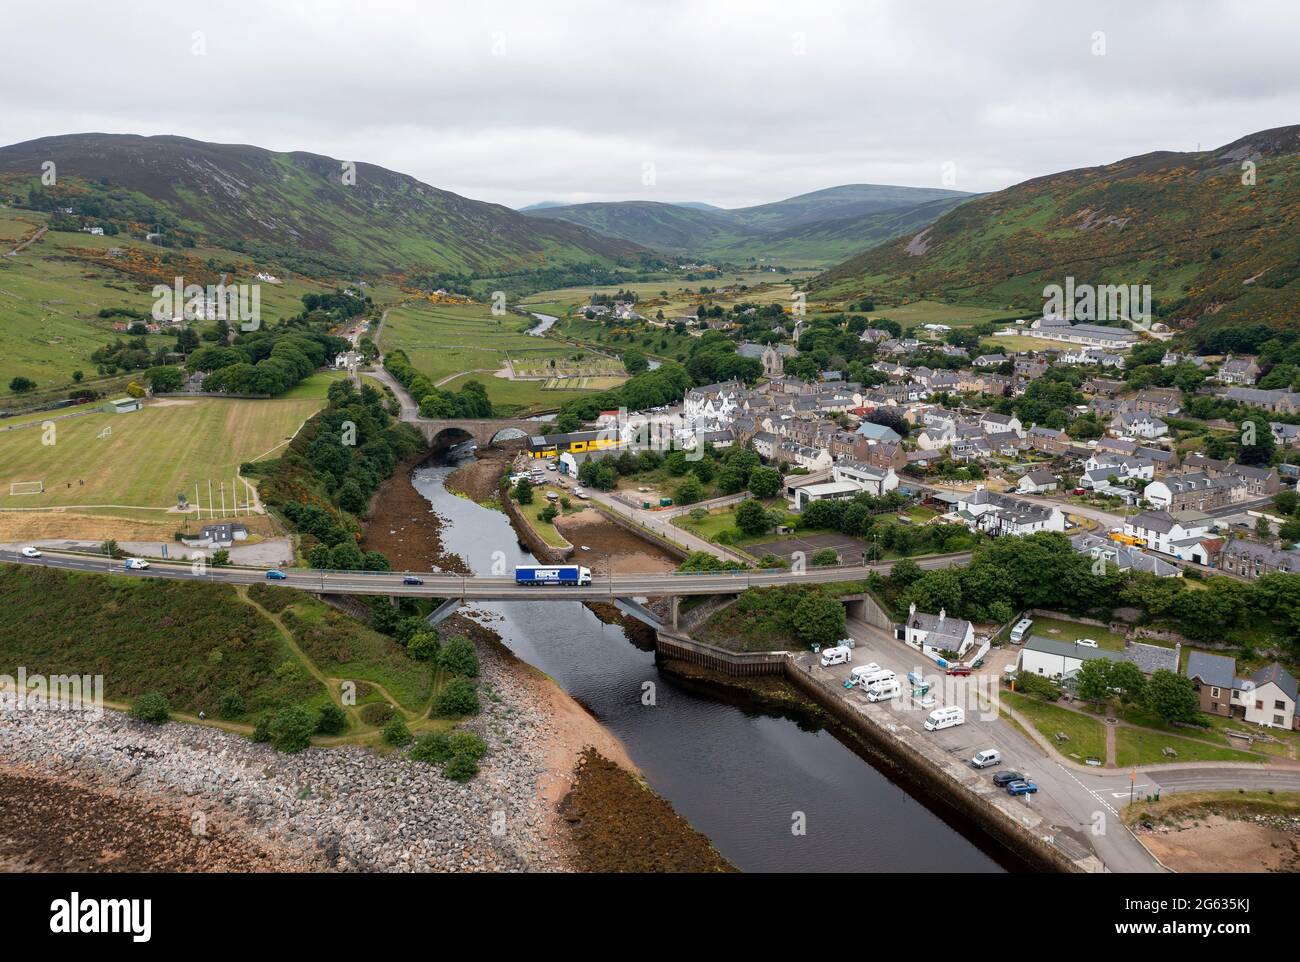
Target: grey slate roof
point(1216, 670)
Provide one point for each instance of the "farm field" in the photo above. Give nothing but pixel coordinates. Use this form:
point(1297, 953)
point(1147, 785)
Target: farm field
point(452, 343)
point(150, 455)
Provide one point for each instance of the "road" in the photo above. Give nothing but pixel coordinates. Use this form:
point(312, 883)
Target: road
point(474, 587)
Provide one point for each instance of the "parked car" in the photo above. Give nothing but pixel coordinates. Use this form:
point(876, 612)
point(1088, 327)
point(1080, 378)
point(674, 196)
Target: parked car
point(274, 575)
point(30, 552)
point(1023, 787)
point(412, 580)
point(1006, 776)
point(959, 669)
point(986, 758)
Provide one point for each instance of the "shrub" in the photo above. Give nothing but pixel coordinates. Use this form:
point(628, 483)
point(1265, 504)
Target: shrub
point(231, 705)
point(825, 558)
point(331, 721)
point(459, 657)
point(423, 646)
point(151, 707)
point(396, 732)
point(291, 729)
point(460, 768)
point(262, 730)
point(467, 743)
point(457, 697)
point(433, 748)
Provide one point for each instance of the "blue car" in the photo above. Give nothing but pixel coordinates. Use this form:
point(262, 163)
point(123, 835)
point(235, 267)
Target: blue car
point(412, 580)
point(276, 576)
point(1025, 787)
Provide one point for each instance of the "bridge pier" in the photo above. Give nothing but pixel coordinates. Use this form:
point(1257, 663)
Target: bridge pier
point(443, 611)
point(641, 613)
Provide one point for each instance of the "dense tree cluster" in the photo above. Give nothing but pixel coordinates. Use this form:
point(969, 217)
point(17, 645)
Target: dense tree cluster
point(471, 401)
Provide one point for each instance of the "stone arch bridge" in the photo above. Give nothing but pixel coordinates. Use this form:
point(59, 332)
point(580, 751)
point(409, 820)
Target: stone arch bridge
point(484, 432)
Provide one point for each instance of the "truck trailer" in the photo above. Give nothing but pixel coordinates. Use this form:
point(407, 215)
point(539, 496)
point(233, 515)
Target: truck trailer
point(552, 575)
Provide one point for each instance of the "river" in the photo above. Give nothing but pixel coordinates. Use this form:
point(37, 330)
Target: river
point(738, 775)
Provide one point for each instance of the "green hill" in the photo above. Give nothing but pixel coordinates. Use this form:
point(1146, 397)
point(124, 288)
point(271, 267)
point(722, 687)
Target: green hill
point(294, 207)
point(821, 227)
point(1215, 250)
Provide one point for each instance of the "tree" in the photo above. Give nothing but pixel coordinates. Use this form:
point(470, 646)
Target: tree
point(331, 720)
point(524, 491)
point(291, 729)
point(77, 376)
point(460, 658)
point(151, 707)
point(751, 518)
point(231, 705)
point(1093, 680)
point(1263, 528)
point(819, 618)
point(21, 385)
point(423, 646)
point(110, 548)
point(164, 378)
point(1171, 697)
point(220, 558)
point(905, 573)
point(689, 491)
point(1257, 443)
point(764, 482)
point(634, 361)
point(549, 513)
point(433, 748)
point(1128, 679)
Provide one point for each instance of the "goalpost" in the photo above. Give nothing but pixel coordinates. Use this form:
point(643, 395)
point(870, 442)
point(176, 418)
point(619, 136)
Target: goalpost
point(27, 487)
point(106, 433)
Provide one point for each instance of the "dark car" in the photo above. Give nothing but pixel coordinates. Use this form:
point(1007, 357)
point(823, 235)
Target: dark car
point(412, 580)
point(959, 669)
point(1005, 776)
point(276, 575)
point(1023, 787)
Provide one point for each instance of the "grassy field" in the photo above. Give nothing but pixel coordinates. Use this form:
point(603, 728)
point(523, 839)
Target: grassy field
point(52, 292)
point(151, 454)
point(1072, 631)
point(934, 312)
point(450, 343)
point(1087, 736)
point(1141, 746)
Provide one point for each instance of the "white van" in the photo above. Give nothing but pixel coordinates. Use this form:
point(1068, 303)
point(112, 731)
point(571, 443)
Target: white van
point(1020, 630)
point(883, 690)
point(945, 717)
point(990, 756)
point(135, 564)
point(835, 656)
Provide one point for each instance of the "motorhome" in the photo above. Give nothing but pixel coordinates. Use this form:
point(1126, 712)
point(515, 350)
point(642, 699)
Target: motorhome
point(945, 717)
point(1020, 630)
point(835, 656)
point(857, 674)
point(880, 676)
point(883, 690)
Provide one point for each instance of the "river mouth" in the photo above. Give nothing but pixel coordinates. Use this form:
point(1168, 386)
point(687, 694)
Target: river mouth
point(774, 790)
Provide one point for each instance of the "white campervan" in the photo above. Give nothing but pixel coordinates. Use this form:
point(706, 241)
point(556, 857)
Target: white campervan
point(858, 673)
point(1020, 630)
point(883, 690)
point(945, 717)
point(835, 656)
point(879, 676)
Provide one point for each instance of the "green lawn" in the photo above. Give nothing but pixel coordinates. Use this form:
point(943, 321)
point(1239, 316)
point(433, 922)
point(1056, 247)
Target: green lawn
point(1087, 736)
point(1072, 631)
point(1141, 746)
point(150, 455)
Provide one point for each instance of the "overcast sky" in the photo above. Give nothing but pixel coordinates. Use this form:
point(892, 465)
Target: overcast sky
point(731, 103)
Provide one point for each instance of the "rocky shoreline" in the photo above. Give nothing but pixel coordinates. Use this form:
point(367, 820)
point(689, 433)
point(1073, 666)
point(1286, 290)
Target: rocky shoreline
point(339, 809)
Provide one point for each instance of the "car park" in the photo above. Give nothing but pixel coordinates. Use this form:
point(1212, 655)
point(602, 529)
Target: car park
point(1023, 787)
point(883, 690)
point(1005, 777)
point(274, 575)
point(945, 717)
point(30, 552)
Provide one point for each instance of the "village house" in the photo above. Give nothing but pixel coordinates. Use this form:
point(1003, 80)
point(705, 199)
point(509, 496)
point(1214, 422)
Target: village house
point(1267, 698)
point(1278, 402)
point(1243, 371)
point(1001, 514)
point(935, 634)
point(1054, 658)
point(1194, 490)
point(1037, 482)
point(1168, 533)
point(1124, 557)
point(1251, 559)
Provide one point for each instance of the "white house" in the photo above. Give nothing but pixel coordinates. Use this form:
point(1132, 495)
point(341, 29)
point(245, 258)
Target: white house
point(1037, 482)
point(999, 514)
point(937, 633)
point(1055, 658)
point(1165, 532)
point(999, 423)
